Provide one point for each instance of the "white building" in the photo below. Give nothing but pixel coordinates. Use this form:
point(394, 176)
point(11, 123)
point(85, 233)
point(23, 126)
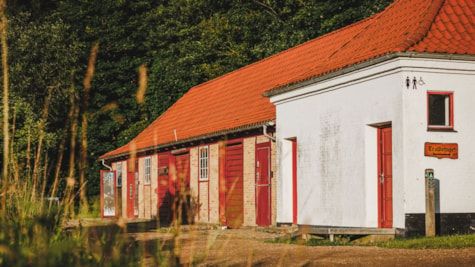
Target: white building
point(373, 106)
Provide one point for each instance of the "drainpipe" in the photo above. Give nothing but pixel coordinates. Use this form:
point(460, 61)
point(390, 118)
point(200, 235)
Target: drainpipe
point(264, 130)
point(108, 167)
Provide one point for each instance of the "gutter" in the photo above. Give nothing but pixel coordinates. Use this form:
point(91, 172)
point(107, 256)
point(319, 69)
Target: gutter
point(264, 130)
point(107, 166)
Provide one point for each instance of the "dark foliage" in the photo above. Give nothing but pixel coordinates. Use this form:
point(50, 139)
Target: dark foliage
point(181, 43)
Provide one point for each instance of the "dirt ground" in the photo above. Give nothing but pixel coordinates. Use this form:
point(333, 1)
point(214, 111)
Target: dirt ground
point(247, 247)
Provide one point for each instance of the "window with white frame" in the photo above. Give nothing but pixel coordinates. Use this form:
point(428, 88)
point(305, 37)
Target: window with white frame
point(204, 162)
point(118, 171)
point(440, 110)
point(147, 171)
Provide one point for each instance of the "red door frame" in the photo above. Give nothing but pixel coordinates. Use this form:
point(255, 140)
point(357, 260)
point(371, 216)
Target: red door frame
point(263, 185)
point(385, 195)
point(294, 181)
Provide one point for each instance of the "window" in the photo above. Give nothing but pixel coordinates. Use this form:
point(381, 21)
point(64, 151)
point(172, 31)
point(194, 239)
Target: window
point(147, 171)
point(118, 170)
point(440, 110)
point(204, 162)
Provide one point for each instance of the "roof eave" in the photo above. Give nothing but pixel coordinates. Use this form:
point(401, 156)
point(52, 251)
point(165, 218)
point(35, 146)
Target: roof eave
point(365, 64)
point(191, 139)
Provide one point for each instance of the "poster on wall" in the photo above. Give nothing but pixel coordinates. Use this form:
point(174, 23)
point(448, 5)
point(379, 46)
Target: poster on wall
point(108, 193)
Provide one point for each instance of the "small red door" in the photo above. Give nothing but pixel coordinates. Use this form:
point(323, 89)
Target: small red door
point(385, 178)
point(234, 185)
point(130, 193)
point(182, 188)
point(182, 164)
point(163, 190)
point(132, 186)
point(263, 192)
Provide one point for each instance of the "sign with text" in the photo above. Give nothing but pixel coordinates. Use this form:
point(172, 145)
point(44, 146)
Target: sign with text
point(441, 150)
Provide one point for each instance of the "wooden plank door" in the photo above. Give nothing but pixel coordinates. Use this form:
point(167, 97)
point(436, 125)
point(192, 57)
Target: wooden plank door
point(182, 187)
point(234, 185)
point(163, 188)
point(130, 193)
point(132, 189)
point(385, 178)
point(263, 186)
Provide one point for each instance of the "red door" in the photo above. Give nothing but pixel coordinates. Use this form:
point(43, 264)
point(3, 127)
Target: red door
point(234, 185)
point(182, 165)
point(163, 190)
point(130, 193)
point(182, 187)
point(385, 178)
point(263, 192)
point(132, 186)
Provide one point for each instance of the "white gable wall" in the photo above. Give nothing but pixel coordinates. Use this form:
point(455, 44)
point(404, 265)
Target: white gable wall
point(455, 176)
point(333, 122)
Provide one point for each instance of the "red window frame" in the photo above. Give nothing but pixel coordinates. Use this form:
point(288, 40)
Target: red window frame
point(450, 125)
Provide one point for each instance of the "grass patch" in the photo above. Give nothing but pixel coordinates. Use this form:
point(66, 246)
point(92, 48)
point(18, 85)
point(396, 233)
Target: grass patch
point(313, 241)
point(440, 242)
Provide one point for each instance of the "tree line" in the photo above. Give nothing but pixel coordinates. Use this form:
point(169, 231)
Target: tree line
point(74, 65)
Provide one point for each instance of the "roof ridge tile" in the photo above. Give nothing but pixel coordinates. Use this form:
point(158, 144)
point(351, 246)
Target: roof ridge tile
point(428, 18)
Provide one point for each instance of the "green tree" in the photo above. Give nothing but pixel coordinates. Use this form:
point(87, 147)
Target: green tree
point(43, 58)
point(181, 43)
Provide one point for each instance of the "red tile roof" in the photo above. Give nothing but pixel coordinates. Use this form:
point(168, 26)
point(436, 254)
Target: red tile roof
point(234, 101)
point(425, 26)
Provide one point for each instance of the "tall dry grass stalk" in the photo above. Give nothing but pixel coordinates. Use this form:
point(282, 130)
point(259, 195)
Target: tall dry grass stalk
point(6, 138)
point(15, 167)
point(142, 84)
point(41, 133)
point(68, 199)
point(44, 181)
point(84, 206)
point(62, 144)
point(30, 234)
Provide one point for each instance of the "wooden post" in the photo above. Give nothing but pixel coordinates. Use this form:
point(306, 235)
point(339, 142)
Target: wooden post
point(430, 202)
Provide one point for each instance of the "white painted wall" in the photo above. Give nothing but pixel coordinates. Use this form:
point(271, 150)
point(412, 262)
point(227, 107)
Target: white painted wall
point(284, 186)
point(337, 149)
point(456, 176)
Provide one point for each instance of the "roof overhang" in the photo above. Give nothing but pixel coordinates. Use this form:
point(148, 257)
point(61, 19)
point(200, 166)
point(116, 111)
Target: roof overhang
point(192, 139)
point(365, 64)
